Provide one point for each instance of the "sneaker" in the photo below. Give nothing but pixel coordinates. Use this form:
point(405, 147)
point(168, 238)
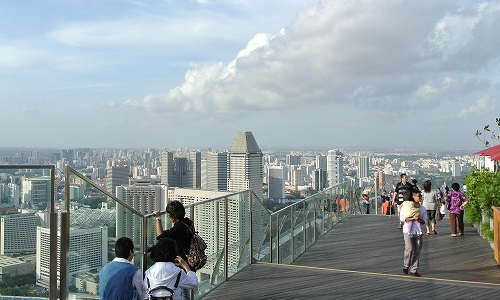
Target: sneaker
point(453, 235)
point(405, 271)
point(460, 234)
point(415, 274)
point(435, 232)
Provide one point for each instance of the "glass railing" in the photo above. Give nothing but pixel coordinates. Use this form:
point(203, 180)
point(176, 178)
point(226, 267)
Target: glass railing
point(237, 228)
point(28, 235)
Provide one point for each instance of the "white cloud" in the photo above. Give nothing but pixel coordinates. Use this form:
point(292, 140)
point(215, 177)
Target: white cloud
point(482, 106)
point(375, 55)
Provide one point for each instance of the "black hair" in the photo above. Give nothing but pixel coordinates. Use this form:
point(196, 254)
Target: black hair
point(414, 181)
point(427, 186)
point(176, 209)
point(407, 196)
point(455, 186)
point(123, 246)
point(163, 250)
point(403, 174)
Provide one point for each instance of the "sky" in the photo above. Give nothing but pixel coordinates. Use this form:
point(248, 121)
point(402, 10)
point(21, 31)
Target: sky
point(299, 74)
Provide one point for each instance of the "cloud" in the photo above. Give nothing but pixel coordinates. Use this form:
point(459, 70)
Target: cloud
point(374, 54)
point(482, 106)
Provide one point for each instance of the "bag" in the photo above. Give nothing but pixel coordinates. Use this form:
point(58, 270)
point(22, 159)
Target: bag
point(162, 287)
point(439, 216)
point(196, 257)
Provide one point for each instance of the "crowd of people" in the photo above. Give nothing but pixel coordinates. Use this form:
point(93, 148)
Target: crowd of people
point(170, 277)
point(417, 208)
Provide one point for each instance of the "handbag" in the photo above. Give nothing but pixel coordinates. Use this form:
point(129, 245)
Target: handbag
point(439, 216)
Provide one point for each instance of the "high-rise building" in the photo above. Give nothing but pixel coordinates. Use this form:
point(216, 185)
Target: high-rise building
point(216, 171)
point(334, 167)
point(245, 170)
point(363, 167)
point(116, 176)
point(184, 172)
point(292, 159)
point(456, 168)
point(88, 250)
point(276, 183)
point(321, 162)
point(319, 180)
point(144, 198)
point(36, 192)
point(18, 233)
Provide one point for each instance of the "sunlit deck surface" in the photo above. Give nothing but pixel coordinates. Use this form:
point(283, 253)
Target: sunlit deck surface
point(362, 258)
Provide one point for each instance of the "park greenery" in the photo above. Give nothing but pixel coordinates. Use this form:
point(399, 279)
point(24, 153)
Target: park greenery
point(483, 186)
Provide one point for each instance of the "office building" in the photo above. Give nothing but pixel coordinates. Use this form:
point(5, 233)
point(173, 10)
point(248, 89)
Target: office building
point(245, 171)
point(36, 192)
point(216, 171)
point(183, 172)
point(18, 233)
point(276, 183)
point(319, 180)
point(363, 167)
point(334, 167)
point(116, 176)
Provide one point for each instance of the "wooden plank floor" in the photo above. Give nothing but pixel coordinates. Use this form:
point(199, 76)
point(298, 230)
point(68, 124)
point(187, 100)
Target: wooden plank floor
point(362, 258)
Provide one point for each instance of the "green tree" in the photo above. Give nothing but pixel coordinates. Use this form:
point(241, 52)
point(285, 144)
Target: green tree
point(483, 192)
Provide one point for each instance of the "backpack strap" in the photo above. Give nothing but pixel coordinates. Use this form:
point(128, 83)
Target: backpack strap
point(178, 279)
point(163, 287)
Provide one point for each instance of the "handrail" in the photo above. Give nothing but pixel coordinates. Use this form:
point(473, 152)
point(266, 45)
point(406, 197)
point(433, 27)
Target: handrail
point(496, 233)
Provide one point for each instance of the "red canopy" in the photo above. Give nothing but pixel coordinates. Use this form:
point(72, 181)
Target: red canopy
point(492, 152)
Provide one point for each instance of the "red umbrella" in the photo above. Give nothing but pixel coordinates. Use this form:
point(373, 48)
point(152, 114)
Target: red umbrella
point(492, 152)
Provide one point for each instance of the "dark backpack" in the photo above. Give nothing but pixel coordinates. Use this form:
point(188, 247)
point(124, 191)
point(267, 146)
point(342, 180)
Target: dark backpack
point(196, 257)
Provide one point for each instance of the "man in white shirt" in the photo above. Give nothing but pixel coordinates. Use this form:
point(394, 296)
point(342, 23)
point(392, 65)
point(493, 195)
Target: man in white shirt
point(412, 232)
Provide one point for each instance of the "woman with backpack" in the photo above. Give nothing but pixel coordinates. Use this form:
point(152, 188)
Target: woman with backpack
point(181, 231)
point(456, 202)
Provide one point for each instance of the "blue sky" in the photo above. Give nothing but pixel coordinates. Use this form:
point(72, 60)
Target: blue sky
point(298, 74)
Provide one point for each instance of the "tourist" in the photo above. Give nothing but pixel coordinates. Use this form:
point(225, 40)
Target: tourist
point(412, 232)
point(402, 187)
point(430, 201)
point(456, 201)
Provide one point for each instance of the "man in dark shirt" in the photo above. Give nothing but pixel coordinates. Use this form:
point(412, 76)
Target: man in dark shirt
point(402, 187)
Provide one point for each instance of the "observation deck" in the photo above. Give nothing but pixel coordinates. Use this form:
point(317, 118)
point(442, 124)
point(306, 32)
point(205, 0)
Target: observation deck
point(362, 258)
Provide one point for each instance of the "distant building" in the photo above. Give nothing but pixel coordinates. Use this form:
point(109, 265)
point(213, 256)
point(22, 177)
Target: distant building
point(335, 167)
point(276, 183)
point(216, 166)
point(245, 170)
point(18, 233)
point(116, 176)
point(183, 172)
point(88, 250)
point(319, 180)
point(36, 192)
point(456, 168)
point(363, 167)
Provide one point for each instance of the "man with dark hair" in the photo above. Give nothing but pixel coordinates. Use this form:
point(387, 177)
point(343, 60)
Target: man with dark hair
point(120, 279)
point(412, 231)
point(402, 187)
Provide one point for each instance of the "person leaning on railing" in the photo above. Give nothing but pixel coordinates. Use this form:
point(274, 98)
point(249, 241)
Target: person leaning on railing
point(179, 232)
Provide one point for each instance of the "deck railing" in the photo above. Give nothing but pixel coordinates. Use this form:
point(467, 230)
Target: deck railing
point(238, 228)
point(496, 233)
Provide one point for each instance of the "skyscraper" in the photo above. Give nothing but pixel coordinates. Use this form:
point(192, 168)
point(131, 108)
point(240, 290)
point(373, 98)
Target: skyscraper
point(363, 167)
point(334, 167)
point(276, 183)
point(216, 171)
point(116, 176)
point(245, 165)
point(184, 172)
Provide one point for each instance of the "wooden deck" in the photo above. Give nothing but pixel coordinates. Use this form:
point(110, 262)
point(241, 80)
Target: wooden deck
point(362, 258)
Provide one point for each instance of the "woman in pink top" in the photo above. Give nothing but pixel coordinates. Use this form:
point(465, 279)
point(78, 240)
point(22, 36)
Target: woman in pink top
point(457, 201)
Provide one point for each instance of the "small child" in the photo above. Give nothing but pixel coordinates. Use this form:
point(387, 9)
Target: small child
point(411, 209)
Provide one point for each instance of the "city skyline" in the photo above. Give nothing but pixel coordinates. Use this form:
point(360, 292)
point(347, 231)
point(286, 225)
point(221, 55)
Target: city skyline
point(320, 74)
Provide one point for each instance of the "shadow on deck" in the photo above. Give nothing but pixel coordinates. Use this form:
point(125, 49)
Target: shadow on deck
point(362, 258)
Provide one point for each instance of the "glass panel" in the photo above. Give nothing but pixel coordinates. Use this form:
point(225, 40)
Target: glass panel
point(239, 227)
point(209, 218)
point(25, 255)
point(284, 227)
point(310, 221)
point(298, 225)
point(260, 231)
point(96, 221)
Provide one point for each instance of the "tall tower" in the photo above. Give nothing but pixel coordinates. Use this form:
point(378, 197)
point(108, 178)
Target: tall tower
point(116, 176)
point(245, 165)
point(276, 186)
point(363, 166)
point(334, 167)
point(217, 171)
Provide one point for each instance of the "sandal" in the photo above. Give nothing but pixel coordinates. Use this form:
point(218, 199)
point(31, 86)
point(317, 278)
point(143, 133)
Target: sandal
point(428, 233)
point(435, 232)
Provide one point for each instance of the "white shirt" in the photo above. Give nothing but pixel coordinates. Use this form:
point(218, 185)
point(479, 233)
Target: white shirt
point(165, 274)
point(136, 280)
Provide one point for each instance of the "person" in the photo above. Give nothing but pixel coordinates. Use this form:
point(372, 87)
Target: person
point(385, 206)
point(366, 200)
point(120, 279)
point(412, 232)
point(414, 184)
point(430, 201)
point(402, 187)
point(169, 270)
point(457, 202)
point(180, 231)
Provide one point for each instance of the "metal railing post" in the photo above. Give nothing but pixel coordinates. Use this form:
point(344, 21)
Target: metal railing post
point(226, 240)
point(63, 264)
point(53, 239)
point(292, 235)
point(251, 227)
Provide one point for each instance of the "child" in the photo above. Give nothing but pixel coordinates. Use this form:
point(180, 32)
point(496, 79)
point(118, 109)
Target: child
point(411, 209)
